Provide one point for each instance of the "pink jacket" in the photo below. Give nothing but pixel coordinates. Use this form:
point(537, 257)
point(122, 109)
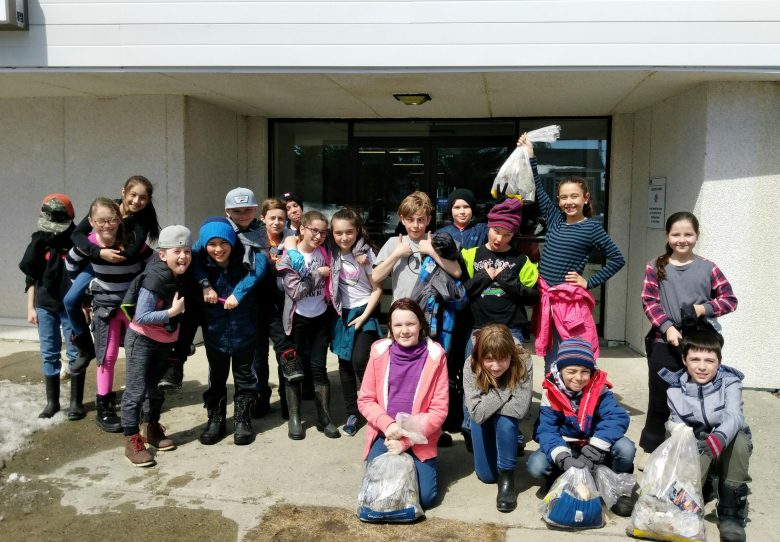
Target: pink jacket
point(431, 396)
point(569, 308)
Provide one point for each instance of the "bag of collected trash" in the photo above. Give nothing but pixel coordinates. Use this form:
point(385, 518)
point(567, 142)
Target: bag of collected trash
point(670, 505)
point(390, 492)
point(573, 502)
point(612, 485)
point(515, 178)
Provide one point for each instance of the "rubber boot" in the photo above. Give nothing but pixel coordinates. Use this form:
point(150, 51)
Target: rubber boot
point(86, 347)
point(216, 428)
point(76, 411)
point(294, 427)
point(732, 511)
point(106, 417)
point(506, 500)
point(243, 434)
point(324, 423)
point(52, 396)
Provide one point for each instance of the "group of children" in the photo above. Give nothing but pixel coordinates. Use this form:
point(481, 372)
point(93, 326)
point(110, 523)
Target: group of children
point(455, 337)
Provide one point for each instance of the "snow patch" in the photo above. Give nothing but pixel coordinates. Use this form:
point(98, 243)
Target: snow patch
point(20, 405)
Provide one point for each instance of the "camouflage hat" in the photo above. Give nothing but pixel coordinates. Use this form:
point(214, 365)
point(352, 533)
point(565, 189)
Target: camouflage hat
point(56, 213)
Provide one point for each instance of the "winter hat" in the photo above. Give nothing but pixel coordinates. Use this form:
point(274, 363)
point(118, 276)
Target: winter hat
point(507, 215)
point(461, 193)
point(217, 226)
point(292, 196)
point(175, 237)
point(56, 213)
point(240, 197)
point(575, 352)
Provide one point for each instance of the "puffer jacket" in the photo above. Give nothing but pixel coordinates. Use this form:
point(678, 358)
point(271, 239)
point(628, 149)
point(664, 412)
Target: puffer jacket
point(570, 309)
point(714, 407)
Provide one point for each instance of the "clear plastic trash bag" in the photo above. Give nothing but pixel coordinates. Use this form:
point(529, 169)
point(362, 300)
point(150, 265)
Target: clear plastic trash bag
point(516, 172)
point(612, 485)
point(670, 505)
point(573, 502)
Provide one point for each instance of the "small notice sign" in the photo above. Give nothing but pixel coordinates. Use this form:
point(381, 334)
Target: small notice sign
point(656, 203)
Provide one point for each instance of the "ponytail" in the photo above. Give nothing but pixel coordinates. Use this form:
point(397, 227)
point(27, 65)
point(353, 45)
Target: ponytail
point(661, 261)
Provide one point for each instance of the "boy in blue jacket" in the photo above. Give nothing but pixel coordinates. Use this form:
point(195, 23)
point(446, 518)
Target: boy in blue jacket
point(581, 424)
point(707, 397)
point(229, 329)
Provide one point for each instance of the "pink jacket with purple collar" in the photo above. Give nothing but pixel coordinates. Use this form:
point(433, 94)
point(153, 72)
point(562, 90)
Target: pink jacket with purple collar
point(569, 308)
point(431, 397)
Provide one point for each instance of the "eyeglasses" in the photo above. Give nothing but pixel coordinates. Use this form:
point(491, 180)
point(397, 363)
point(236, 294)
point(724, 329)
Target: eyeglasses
point(107, 221)
point(316, 233)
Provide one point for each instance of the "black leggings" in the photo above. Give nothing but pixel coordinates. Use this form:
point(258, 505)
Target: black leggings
point(659, 355)
point(351, 371)
point(310, 337)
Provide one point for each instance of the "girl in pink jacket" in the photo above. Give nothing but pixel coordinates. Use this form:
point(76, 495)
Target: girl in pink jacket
point(406, 373)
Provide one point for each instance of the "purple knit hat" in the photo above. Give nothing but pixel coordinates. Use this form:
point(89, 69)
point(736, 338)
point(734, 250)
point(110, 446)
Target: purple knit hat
point(506, 215)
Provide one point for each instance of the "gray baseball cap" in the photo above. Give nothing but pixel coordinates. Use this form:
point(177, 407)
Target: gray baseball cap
point(240, 197)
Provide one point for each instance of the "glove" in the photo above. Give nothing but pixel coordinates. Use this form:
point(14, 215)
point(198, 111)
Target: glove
point(566, 462)
point(712, 445)
point(593, 454)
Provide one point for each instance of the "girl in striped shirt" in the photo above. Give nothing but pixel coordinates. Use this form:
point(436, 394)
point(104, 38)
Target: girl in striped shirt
point(571, 238)
point(109, 323)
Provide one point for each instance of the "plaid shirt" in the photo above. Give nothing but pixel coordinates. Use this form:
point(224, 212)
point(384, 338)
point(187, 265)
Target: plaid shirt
point(723, 299)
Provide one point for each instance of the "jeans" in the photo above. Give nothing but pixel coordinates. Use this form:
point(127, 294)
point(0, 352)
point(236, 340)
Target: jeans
point(517, 333)
point(426, 472)
point(620, 459)
point(50, 337)
point(495, 446)
point(73, 299)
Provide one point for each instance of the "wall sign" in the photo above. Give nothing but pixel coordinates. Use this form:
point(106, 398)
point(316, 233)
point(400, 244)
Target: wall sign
point(656, 203)
point(13, 15)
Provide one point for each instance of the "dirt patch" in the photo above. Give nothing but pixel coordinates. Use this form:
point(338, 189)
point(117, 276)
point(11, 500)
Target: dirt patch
point(288, 523)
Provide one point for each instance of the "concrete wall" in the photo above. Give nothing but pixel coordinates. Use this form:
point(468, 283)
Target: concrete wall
point(716, 146)
point(415, 33)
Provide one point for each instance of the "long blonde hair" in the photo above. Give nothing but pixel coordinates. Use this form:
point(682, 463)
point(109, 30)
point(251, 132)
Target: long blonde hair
point(496, 341)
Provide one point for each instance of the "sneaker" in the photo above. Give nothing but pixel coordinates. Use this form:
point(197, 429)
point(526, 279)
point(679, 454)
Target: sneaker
point(136, 452)
point(352, 425)
point(154, 434)
point(172, 378)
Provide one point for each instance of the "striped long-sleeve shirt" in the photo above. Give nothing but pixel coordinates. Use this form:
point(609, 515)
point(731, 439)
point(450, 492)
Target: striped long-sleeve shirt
point(699, 282)
point(568, 246)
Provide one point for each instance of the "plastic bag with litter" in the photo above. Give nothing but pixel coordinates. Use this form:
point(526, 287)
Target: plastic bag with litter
point(613, 485)
point(516, 172)
point(573, 502)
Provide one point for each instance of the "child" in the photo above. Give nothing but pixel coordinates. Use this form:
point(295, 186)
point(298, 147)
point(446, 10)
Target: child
point(707, 396)
point(140, 222)
point(464, 230)
point(109, 323)
point(571, 238)
point(581, 424)
point(674, 280)
point(155, 303)
point(401, 256)
point(43, 265)
point(497, 382)
point(229, 334)
point(406, 373)
point(294, 208)
point(355, 297)
point(306, 320)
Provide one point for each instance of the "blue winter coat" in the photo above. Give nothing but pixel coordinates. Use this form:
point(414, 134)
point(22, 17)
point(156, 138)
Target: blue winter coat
point(472, 236)
point(599, 420)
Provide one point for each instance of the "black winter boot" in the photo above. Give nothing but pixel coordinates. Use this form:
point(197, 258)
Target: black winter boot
point(86, 347)
point(506, 500)
point(173, 377)
point(76, 411)
point(324, 422)
point(732, 511)
point(243, 433)
point(261, 407)
point(52, 396)
point(106, 417)
point(215, 426)
point(294, 427)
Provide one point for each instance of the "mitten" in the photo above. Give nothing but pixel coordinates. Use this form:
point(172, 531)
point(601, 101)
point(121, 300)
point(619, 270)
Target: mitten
point(565, 462)
point(712, 445)
point(593, 454)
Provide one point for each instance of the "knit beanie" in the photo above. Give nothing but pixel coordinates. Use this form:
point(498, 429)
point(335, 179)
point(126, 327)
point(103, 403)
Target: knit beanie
point(506, 215)
point(462, 193)
point(292, 196)
point(575, 352)
point(216, 226)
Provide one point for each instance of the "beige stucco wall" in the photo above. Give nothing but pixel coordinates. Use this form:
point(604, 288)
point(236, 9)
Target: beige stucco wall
point(716, 145)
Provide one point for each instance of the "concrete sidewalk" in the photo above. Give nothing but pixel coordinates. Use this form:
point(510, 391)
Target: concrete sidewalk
point(243, 482)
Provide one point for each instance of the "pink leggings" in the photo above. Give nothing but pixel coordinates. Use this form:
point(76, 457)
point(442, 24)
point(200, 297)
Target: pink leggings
point(105, 371)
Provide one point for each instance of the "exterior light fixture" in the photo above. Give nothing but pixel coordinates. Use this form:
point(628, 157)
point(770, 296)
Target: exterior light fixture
point(413, 99)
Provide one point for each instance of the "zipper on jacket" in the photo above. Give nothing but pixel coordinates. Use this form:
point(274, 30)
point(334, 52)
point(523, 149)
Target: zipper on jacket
point(703, 411)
